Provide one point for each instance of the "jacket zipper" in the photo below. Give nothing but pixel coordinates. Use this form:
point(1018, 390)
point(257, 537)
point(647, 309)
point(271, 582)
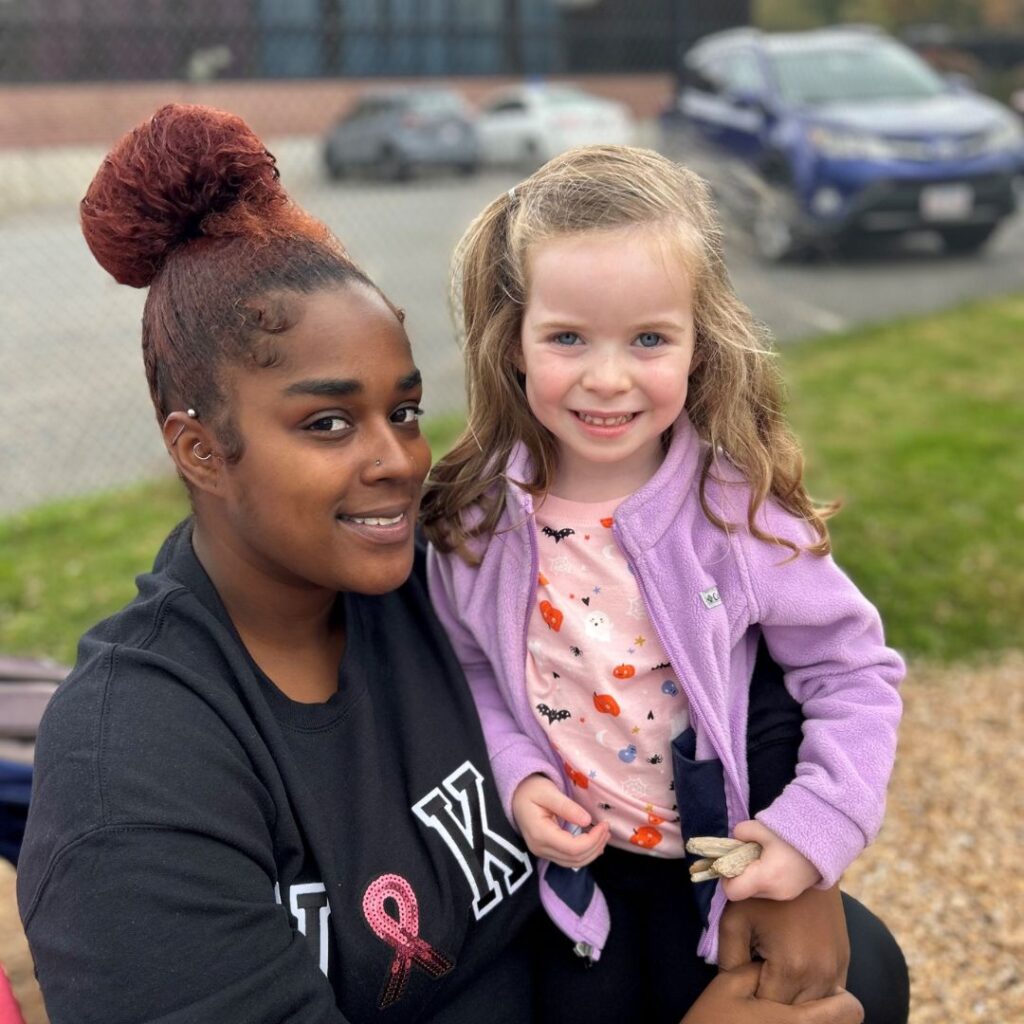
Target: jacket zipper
point(695, 710)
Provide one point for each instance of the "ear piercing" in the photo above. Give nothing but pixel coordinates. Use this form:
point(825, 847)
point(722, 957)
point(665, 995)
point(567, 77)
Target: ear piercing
point(192, 415)
point(201, 458)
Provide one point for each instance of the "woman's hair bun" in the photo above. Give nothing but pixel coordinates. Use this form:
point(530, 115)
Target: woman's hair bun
point(160, 184)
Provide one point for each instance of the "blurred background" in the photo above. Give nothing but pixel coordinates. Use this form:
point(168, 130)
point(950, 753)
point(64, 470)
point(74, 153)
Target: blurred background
point(396, 120)
point(867, 157)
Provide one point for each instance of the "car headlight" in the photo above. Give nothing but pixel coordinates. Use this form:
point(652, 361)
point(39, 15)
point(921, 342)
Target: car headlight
point(849, 145)
point(1007, 136)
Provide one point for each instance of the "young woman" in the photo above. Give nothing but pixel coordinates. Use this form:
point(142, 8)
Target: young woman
point(263, 794)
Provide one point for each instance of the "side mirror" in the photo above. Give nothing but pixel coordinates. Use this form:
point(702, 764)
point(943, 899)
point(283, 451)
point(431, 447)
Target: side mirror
point(750, 101)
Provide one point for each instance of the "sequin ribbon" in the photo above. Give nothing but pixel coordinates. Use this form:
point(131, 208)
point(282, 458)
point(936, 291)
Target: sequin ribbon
point(403, 934)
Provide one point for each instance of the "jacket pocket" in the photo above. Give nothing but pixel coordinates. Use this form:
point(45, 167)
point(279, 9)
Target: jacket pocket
point(700, 796)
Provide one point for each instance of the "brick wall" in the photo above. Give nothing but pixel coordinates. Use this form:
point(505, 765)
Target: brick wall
point(82, 114)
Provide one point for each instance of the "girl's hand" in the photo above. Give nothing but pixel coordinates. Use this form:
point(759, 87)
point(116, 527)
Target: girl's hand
point(731, 997)
point(537, 806)
point(780, 873)
point(804, 944)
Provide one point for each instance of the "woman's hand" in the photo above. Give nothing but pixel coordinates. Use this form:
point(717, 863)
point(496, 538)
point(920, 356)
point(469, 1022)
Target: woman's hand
point(731, 997)
point(537, 806)
point(780, 873)
point(803, 942)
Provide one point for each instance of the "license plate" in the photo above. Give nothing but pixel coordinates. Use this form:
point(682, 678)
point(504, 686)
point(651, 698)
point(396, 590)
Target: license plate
point(947, 202)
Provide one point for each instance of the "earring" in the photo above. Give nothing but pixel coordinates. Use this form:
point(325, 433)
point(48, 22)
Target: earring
point(192, 414)
point(201, 458)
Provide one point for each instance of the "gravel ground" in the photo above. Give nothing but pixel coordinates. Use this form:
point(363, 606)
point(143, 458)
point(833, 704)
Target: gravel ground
point(945, 874)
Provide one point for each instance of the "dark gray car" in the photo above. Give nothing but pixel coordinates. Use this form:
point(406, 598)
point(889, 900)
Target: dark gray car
point(395, 132)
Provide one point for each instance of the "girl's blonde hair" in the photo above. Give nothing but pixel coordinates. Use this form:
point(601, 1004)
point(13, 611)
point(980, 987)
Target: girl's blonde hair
point(735, 393)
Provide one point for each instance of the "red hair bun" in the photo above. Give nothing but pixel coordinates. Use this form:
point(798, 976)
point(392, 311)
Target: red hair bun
point(187, 172)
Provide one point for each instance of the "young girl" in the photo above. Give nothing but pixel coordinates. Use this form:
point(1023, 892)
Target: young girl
point(622, 523)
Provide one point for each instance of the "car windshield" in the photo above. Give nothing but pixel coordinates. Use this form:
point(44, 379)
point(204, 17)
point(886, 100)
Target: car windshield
point(843, 73)
point(435, 102)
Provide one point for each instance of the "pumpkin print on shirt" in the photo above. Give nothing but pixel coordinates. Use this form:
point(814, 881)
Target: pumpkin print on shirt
point(599, 680)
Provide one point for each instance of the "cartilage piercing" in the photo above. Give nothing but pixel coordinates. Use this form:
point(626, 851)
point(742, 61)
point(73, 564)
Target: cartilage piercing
point(192, 414)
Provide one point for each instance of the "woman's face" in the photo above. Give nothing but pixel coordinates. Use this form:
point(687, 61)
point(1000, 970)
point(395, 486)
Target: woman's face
point(327, 490)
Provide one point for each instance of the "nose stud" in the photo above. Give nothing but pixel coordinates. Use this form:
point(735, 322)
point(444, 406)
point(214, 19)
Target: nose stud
point(378, 462)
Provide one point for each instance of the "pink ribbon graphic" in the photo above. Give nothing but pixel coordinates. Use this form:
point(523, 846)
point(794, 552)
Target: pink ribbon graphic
point(403, 934)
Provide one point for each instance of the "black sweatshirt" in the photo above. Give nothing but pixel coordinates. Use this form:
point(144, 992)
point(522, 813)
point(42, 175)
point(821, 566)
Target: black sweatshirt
point(200, 848)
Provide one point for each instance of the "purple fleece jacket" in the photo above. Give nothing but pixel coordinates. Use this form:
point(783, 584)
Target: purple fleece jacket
point(819, 628)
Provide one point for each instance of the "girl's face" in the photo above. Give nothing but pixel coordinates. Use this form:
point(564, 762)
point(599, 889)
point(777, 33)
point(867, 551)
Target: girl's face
point(607, 344)
point(308, 505)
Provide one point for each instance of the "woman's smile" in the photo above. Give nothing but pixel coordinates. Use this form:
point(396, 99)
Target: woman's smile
point(387, 527)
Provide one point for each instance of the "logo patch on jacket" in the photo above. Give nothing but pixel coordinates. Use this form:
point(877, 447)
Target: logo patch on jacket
point(711, 597)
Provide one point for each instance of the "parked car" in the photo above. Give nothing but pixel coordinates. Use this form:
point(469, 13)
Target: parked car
point(834, 133)
point(529, 124)
point(397, 131)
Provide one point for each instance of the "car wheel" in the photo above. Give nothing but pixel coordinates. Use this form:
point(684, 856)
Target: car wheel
point(392, 166)
point(531, 153)
point(968, 239)
point(336, 170)
point(774, 228)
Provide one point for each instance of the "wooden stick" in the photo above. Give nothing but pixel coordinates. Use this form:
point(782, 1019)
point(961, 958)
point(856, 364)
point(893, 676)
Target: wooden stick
point(732, 864)
point(711, 846)
point(705, 876)
point(720, 857)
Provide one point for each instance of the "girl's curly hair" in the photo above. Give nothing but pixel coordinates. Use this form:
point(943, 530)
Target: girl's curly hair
point(734, 398)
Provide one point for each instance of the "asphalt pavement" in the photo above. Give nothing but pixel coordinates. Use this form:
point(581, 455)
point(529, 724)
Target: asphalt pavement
point(76, 416)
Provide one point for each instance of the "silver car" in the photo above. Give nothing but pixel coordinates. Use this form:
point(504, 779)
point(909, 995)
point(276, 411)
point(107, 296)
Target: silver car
point(398, 131)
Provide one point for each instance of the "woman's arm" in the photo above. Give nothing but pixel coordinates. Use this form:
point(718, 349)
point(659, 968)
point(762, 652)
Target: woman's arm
point(731, 997)
point(804, 942)
point(146, 880)
point(139, 925)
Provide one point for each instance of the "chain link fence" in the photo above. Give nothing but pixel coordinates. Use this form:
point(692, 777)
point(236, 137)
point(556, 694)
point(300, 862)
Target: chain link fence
point(77, 74)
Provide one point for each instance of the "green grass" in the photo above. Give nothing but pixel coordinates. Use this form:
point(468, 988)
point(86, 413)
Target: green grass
point(917, 425)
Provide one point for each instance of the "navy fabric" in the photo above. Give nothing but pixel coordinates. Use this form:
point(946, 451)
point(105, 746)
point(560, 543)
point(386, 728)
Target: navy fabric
point(574, 888)
point(700, 794)
point(15, 788)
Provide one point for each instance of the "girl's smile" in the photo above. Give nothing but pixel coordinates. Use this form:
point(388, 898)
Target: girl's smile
point(605, 424)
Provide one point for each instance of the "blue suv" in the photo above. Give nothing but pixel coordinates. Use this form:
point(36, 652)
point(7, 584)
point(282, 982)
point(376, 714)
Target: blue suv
point(840, 132)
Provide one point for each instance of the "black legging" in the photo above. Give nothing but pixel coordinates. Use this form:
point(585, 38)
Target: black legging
point(649, 970)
